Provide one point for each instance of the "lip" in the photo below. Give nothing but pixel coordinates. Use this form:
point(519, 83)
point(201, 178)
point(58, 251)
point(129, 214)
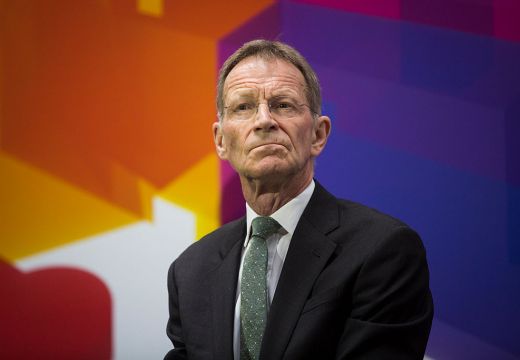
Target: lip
point(266, 144)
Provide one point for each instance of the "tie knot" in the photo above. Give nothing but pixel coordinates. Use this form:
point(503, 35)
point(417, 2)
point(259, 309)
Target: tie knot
point(264, 226)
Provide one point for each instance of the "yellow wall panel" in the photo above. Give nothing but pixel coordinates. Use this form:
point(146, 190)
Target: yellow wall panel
point(40, 211)
point(198, 191)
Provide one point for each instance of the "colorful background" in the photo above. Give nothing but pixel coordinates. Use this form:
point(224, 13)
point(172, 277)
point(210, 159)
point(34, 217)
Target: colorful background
point(108, 170)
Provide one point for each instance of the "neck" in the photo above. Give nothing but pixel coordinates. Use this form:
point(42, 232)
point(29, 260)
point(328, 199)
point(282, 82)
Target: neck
point(265, 197)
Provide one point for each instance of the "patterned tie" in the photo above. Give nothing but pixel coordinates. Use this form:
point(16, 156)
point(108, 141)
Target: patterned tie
point(253, 288)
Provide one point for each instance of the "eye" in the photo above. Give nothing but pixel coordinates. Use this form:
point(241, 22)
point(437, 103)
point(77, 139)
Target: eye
point(282, 105)
point(243, 107)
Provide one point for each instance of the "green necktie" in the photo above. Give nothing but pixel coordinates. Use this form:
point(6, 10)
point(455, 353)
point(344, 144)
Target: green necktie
point(253, 288)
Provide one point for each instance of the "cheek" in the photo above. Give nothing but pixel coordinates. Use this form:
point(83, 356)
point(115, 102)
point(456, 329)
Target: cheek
point(302, 140)
point(231, 139)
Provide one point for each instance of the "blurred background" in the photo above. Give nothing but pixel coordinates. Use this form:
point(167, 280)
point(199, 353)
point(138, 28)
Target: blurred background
point(108, 170)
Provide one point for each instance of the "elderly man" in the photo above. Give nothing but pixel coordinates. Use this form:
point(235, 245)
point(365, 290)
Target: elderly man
point(303, 275)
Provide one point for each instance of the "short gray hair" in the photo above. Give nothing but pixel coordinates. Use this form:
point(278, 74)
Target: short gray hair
point(270, 50)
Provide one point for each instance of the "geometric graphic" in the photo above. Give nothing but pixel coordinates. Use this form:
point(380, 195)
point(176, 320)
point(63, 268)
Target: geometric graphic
point(108, 169)
point(448, 342)
point(132, 261)
point(60, 313)
point(197, 190)
point(57, 212)
point(109, 99)
point(107, 163)
point(422, 97)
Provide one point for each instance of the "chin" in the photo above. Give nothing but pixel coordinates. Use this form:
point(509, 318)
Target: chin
point(267, 171)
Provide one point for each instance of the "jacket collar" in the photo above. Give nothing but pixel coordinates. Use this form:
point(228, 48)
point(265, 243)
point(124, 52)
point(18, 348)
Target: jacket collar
point(308, 254)
point(223, 291)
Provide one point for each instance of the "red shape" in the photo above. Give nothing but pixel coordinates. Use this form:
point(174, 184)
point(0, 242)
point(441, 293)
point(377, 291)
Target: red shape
point(507, 19)
point(385, 8)
point(54, 313)
point(463, 15)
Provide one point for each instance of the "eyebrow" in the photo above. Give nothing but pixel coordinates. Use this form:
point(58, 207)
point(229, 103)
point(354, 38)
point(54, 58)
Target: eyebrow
point(254, 93)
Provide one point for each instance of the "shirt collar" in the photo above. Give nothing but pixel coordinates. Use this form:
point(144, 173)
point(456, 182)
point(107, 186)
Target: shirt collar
point(288, 215)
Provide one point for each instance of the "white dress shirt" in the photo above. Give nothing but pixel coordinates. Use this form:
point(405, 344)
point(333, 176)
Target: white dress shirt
point(277, 246)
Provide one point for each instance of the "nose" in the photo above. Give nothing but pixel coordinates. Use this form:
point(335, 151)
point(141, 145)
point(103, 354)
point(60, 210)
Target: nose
point(264, 120)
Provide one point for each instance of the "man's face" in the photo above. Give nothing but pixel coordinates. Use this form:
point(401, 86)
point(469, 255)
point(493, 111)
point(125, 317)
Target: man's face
point(266, 144)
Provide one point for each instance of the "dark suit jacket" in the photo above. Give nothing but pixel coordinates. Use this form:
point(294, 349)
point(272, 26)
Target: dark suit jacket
point(354, 285)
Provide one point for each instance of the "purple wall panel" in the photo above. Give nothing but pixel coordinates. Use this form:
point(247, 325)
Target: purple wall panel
point(419, 136)
point(448, 342)
point(452, 131)
point(461, 218)
point(352, 42)
point(426, 122)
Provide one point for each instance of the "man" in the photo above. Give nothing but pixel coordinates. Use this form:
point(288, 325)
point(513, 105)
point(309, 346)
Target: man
point(303, 275)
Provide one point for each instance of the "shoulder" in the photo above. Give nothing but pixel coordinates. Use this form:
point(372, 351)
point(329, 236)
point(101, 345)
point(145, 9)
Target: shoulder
point(363, 217)
point(212, 246)
point(360, 225)
point(325, 209)
point(373, 230)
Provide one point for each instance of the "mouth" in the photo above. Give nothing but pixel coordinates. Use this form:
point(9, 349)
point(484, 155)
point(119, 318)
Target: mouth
point(267, 145)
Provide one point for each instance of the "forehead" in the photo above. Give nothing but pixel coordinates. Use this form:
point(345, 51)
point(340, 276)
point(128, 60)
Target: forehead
point(256, 74)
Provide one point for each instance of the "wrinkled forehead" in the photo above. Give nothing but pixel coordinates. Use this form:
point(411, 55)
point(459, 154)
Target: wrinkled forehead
point(255, 76)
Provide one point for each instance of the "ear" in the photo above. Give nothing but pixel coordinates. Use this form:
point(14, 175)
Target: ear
point(220, 143)
point(321, 134)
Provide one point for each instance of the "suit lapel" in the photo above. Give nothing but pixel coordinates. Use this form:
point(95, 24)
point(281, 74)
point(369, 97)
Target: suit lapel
point(307, 256)
point(223, 291)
